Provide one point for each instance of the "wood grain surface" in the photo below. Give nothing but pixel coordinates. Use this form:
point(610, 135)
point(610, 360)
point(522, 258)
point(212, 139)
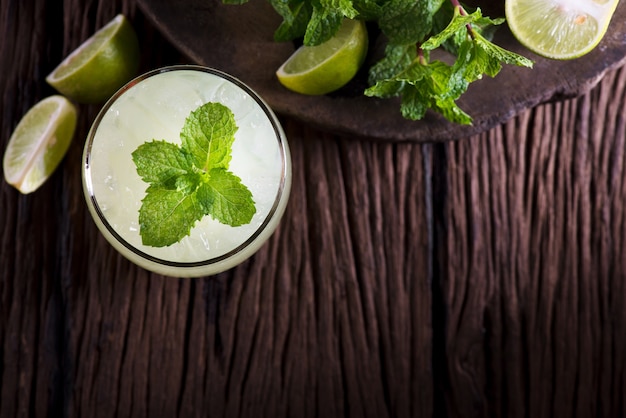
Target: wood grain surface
point(478, 278)
point(534, 267)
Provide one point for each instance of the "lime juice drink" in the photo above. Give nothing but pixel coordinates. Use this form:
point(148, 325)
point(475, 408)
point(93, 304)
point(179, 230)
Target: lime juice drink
point(165, 109)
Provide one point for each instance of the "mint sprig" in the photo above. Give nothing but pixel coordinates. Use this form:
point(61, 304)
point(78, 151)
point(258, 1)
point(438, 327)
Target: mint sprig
point(191, 181)
point(425, 84)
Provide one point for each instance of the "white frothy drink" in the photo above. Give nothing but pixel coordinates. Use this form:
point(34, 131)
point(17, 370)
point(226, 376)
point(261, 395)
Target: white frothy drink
point(154, 107)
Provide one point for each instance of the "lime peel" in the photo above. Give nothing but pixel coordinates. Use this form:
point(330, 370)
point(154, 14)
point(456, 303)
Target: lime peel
point(321, 69)
point(99, 66)
point(39, 143)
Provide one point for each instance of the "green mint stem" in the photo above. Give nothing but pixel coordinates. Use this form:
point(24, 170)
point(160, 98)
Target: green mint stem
point(462, 12)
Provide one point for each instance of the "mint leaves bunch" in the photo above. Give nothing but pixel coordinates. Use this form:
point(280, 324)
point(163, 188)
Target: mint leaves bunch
point(413, 30)
point(425, 84)
point(191, 181)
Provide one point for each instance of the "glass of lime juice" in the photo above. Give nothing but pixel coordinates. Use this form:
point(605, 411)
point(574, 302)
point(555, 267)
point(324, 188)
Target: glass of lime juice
point(187, 171)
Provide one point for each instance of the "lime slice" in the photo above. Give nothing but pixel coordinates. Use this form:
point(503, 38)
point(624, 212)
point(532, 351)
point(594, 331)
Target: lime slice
point(323, 68)
point(39, 143)
point(559, 29)
point(101, 65)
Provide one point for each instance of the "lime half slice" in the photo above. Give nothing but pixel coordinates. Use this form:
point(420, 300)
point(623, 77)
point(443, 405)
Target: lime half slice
point(101, 65)
point(321, 69)
point(559, 29)
point(39, 143)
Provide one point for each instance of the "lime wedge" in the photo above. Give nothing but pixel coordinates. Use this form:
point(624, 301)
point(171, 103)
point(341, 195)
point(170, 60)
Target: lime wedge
point(324, 68)
point(39, 143)
point(559, 29)
point(100, 66)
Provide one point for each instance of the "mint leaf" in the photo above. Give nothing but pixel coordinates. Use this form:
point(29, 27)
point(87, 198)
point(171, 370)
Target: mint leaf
point(397, 59)
point(497, 53)
point(208, 135)
point(345, 7)
point(159, 161)
point(408, 21)
point(296, 15)
point(436, 85)
point(460, 27)
point(457, 25)
point(226, 199)
point(323, 25)
point(326, 19)
point(191, 181)
point(167, 215)
point(367, 9)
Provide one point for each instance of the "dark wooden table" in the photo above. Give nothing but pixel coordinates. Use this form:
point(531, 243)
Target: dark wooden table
point(479, 278)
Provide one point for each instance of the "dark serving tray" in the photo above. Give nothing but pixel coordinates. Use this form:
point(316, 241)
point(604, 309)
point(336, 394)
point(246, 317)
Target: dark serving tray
point(239, 40)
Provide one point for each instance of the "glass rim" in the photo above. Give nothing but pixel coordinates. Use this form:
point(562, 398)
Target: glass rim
point(282, 145)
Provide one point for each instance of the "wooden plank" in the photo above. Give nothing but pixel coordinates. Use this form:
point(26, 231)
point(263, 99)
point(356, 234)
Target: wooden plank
point(532, 262)
point(28, 309)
